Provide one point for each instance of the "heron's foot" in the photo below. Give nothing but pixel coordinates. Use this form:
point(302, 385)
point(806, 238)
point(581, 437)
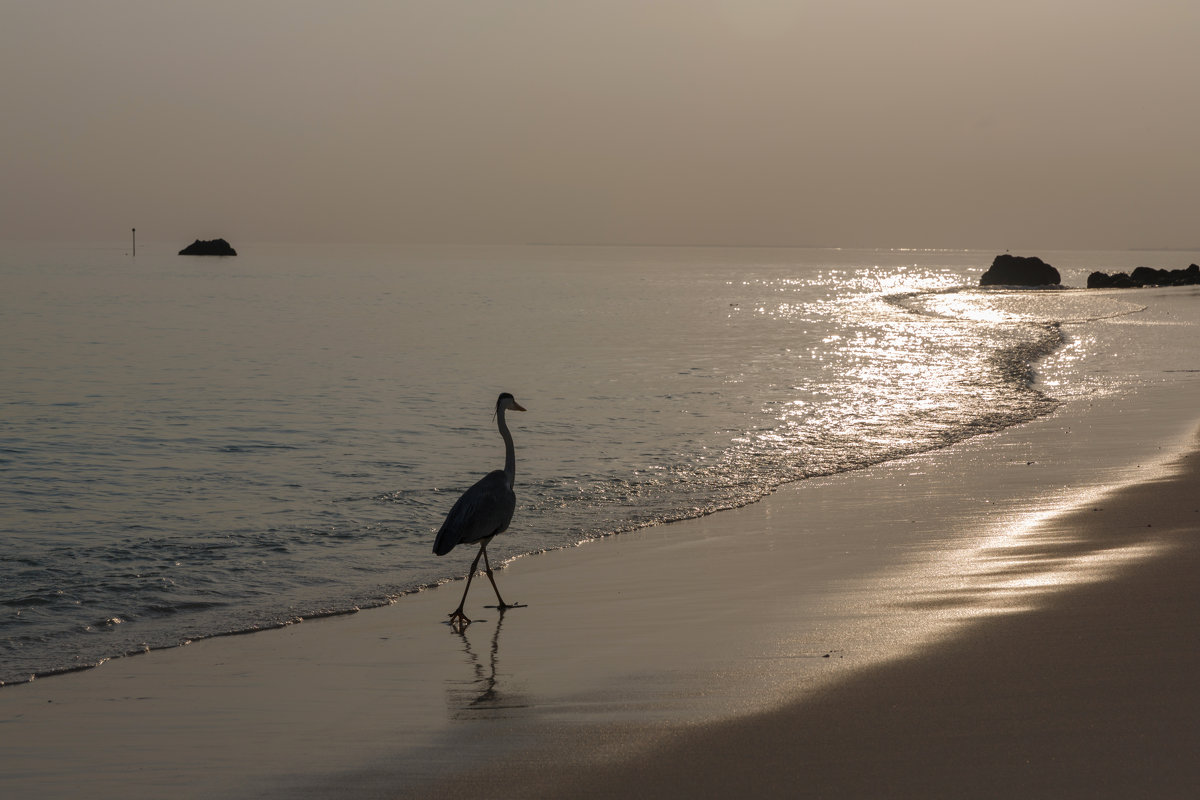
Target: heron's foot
point(458, 620)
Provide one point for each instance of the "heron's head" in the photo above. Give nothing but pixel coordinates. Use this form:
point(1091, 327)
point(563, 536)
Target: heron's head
point(506, 401)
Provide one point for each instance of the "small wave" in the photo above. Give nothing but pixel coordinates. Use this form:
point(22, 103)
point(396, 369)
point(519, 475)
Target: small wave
point(1036, 305)
point(258, 446)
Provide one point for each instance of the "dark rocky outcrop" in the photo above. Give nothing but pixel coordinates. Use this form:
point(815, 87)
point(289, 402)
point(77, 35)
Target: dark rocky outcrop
point(1145, 276)
point(1103, 280)
point(1010, 270)
point(212, 247)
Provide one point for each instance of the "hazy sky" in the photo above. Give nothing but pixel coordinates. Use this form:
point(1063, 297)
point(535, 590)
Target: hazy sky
point(909, 123)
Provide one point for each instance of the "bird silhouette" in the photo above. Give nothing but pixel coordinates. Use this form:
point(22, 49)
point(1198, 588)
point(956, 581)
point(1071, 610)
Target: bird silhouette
point(483, 511)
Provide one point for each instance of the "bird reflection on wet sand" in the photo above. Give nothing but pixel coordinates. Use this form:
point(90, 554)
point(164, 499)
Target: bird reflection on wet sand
point(481, 696)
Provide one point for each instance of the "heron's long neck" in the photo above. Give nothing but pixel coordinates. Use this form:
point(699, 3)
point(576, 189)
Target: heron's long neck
point(510, 455)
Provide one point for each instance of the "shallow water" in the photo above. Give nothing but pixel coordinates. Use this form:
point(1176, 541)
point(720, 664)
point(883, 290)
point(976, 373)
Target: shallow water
point(192, 447)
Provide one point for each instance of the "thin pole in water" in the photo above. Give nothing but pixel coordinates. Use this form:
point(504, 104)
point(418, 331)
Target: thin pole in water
point(135, 242)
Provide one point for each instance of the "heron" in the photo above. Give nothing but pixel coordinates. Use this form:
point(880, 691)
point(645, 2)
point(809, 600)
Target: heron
point(483, 511)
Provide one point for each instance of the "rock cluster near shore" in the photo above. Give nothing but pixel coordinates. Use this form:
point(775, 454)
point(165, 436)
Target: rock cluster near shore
point(1010, 270)
point(1145, 276)
point(211, 247)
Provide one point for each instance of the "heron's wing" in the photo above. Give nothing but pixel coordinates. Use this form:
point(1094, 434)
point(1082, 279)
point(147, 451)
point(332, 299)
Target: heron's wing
point(483, 510)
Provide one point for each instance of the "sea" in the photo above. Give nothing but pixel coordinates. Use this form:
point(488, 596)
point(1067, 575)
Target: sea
point(203, 446)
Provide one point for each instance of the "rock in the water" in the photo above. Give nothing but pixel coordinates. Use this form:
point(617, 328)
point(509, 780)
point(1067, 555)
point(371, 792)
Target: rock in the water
point(1102, 280)
point(1010, 270)
point(212, 247)
point(1145, 276)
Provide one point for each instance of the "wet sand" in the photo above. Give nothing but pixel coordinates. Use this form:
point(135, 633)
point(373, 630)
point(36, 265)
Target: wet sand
point(1092, 694)
point(1017, 614)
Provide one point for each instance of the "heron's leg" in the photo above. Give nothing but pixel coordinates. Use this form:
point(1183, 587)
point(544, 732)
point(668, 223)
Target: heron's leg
point(487, 570)
point(457, 616)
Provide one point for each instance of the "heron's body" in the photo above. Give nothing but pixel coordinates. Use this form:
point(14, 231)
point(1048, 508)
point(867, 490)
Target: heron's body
point(483, 511)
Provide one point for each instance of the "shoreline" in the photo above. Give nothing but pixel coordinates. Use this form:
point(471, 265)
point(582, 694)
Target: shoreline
point(1092, 693)
point(631, 644)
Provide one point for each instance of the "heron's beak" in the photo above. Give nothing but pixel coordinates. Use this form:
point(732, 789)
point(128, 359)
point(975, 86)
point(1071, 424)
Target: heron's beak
point(517, 406)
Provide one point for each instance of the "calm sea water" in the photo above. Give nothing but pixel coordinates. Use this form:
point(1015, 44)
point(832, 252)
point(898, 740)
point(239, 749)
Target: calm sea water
point(198, 446)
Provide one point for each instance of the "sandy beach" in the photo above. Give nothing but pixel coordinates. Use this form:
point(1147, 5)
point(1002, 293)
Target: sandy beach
point(1092, 694)
point(1012, 615)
